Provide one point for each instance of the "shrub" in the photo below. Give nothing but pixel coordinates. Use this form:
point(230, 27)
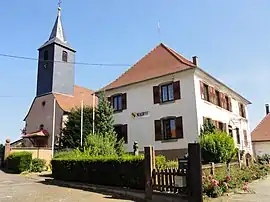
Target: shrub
point(105, 144)
point(162, 163)
point(217, 147)
point(38, 165)
point(264, 159)
point(19, 161)
point(125, 171)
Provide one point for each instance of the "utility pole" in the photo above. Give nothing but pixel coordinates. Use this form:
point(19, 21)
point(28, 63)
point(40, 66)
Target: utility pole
point(82, 123)
point(94, 107)
point(53, 125)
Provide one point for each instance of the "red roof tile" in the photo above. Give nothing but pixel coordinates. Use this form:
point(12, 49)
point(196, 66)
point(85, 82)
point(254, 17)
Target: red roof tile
point(40, 133)
point(262, 131)
point(67, 102)
point(160, 61)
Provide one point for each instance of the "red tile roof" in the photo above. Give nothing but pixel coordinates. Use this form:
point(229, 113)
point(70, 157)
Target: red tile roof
point(67, 102)
point(40, 133)
point(262, 131)
point(160, 61)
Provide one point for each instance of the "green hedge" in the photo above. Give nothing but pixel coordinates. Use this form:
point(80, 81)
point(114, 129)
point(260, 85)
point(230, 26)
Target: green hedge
point(126, 171)
point(19, 161)
point(38, 165)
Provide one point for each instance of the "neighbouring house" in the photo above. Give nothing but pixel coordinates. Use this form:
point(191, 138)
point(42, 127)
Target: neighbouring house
point(261, 135)
point(164, 99)
point(56, 91)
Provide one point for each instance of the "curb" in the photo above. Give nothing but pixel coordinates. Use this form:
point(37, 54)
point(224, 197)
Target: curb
point(133, 195)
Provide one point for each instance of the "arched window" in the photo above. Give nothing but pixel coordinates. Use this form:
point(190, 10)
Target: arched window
point(64, 56)
point(46, 55)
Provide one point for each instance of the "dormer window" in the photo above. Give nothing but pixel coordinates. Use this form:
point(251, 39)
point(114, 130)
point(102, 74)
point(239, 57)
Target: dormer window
point(64, 56)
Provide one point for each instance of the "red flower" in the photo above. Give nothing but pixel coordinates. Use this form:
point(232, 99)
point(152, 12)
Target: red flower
point(245, 188)
point(210, 177)
point(228, 178)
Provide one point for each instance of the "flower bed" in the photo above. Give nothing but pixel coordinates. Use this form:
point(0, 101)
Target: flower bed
point(214, 186)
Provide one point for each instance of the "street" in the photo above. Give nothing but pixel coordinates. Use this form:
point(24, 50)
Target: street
point(14, 188)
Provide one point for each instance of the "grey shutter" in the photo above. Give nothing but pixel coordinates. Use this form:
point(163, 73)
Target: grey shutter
point(176, 90)
point(179, 127)
point(156, 94)
point(158, 133)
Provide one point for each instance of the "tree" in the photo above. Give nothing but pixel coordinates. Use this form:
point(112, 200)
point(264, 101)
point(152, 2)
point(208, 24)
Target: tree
point(207, 128)
point(217, 147)
point(104, 116)
point(71, 137)
point(2, 147)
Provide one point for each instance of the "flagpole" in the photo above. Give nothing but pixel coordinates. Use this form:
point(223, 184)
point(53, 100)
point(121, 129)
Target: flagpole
point(94, 106)
point(82, 123)
point(53, 129)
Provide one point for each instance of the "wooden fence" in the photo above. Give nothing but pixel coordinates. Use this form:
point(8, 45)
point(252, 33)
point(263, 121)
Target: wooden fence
point(170, 180)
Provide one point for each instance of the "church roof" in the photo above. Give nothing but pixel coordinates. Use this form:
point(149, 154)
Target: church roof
point(58, 35)
point(67, 102)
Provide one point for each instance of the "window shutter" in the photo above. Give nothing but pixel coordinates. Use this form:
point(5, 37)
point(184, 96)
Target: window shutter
point(222, 99)
point(124, 101)
point(156, 94)
point(239, 106)
point(202, 90)
point(245, 137)
point(179, 127)
point(215, 124)
point(244, 111)
point(176, 90)
point(158, 134)
point(125, 133)
point(212, 95)
point(230, 104)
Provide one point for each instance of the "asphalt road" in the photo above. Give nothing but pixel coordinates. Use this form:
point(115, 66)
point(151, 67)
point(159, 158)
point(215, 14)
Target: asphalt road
point(16, 188)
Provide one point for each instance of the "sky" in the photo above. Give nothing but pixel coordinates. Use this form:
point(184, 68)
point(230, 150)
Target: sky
point(231, 39)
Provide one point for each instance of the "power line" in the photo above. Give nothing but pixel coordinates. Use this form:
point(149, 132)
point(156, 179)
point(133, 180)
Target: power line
point(58, 61)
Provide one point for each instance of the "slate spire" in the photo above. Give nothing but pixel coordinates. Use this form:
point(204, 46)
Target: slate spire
point(58, 30)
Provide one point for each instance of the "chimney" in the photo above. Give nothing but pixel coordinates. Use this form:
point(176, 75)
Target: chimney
point(267, 108)
point(195, 60)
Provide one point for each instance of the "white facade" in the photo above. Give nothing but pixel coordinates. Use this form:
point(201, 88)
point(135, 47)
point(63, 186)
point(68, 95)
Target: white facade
point(191, 107)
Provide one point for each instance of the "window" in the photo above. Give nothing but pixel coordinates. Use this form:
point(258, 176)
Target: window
point(64, 56)
point(121, 131)
point(227, 103)
point(237, 135)
point(220, 126)
point(230, 130)
point(169, 131)
point(118, 102)
point(169, 128)
point(166, 93)
point(206, 92)
point(218, 103)
point(245, 137)
point(46, 56)
point(43, 103)
point(242, 111)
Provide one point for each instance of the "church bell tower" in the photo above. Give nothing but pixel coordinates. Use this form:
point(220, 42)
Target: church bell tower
point(56, 63)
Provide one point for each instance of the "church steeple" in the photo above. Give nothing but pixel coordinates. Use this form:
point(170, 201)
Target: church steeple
point(58, 30)
point(56, 63)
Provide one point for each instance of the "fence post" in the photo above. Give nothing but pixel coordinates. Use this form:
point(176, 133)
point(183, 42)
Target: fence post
point(194, 172)
point(149, 166)
point(212, 169)
point(7, 149)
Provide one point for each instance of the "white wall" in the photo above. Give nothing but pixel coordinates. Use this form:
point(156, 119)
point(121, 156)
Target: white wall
point(261, 148)
point(207, 109)
point(140, 99)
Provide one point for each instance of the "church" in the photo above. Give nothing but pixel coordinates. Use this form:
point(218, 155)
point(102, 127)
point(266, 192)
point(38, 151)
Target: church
point(56, 92)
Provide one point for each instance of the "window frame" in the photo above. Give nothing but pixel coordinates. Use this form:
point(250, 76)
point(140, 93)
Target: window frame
point(46, 56)
point(217, 98)
point(227, 105)
point(117, 109)
point(242, 110)
point(206, 93)
point(163, 131)
point(65, 56)
point(167, 93)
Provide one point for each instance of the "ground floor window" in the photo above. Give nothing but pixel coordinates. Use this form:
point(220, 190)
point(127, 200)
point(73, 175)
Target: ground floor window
point(121, 132)
point(169, 128)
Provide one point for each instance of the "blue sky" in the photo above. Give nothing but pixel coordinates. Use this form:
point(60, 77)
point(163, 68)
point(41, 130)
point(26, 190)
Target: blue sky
point(231, 39)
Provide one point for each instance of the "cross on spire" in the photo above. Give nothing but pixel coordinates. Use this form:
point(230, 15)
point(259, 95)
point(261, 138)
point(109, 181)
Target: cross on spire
point(59, 3)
